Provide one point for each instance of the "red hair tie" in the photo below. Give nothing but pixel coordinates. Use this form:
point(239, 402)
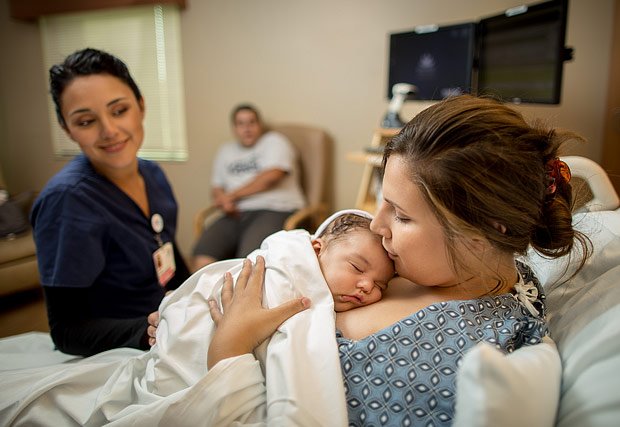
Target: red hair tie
point(557, 171)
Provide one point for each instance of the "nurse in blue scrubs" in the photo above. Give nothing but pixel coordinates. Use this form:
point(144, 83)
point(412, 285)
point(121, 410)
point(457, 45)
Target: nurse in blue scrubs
point(105, 225)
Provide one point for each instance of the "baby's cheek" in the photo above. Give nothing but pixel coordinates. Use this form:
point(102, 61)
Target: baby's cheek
point(376, 296)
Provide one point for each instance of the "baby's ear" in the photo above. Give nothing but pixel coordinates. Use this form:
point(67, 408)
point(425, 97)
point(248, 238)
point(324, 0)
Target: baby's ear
point(317, 245)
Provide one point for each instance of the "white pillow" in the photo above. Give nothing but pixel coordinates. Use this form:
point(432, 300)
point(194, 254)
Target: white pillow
point(591, 378)
point(584, 319)
point(603, 229)
point(518, 389)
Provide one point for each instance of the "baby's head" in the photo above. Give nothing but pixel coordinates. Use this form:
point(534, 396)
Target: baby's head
point(356, 267)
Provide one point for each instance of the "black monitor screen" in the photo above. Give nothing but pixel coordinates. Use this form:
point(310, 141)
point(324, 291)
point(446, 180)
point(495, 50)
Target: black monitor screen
point(438, 62)
point(521, 54)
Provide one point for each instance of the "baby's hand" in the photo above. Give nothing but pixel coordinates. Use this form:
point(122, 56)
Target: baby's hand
point(151, 330)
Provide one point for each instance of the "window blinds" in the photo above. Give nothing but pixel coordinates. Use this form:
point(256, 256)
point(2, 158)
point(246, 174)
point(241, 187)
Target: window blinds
point(147, 39)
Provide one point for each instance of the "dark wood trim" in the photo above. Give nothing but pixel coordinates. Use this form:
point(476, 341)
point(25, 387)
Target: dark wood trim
point(611, 138)
point(30, 10)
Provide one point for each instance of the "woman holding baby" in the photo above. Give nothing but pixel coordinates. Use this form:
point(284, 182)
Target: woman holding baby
point(468, 186)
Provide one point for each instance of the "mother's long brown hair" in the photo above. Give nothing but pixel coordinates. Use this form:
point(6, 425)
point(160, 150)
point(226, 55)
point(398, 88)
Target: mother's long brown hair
point(482, 169)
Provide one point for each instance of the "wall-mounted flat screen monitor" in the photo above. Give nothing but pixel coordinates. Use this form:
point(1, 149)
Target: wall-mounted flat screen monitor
point(438, 61)
point(517, 56)
point(521, 53)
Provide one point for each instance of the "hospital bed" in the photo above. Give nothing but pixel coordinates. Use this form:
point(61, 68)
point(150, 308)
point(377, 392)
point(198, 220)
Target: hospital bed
point(580, 387)
point(571, 380)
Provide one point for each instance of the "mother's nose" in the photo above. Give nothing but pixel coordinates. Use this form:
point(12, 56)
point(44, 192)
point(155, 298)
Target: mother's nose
point(378, 225)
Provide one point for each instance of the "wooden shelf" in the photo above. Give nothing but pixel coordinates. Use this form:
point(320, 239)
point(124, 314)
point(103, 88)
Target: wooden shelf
point(369, 190)
point(365, 158)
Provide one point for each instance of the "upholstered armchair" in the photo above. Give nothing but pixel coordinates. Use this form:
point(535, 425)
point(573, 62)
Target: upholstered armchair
point(315, 154)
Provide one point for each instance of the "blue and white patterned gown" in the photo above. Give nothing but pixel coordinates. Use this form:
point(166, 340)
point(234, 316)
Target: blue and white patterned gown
point(405, 374)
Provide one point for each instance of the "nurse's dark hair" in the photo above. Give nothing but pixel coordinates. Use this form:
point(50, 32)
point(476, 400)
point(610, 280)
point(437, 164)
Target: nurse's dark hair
point(86, 62)
point(483, 171)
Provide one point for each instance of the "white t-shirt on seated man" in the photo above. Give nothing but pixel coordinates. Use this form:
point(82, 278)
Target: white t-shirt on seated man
point(236, 165)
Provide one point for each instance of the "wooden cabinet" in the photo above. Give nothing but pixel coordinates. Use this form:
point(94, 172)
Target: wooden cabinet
point(370, 184)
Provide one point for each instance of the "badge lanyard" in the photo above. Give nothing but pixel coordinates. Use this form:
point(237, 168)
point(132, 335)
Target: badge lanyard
point(163, 257)
point(157, 224)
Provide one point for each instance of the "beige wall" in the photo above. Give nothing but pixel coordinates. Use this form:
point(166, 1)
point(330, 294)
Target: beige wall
point(321, 62)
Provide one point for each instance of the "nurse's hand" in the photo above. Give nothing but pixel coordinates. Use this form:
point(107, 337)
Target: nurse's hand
point(244, 323)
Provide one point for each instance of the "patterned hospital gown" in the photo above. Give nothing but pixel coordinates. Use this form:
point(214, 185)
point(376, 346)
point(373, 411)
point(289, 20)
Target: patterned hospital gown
point(405, 374)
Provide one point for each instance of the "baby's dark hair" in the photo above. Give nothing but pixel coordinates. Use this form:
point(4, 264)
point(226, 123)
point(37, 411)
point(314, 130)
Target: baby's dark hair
point(86, 62)
point(483, 170)
point(343, 225)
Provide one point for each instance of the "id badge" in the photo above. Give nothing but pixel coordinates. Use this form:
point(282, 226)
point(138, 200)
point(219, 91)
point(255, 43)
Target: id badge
point(164, 263)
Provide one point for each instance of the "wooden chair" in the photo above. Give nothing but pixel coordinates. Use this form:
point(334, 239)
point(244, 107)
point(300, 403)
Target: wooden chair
point(315, 154)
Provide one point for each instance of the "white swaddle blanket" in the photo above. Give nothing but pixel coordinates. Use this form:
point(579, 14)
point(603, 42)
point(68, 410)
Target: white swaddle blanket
point(169, 384)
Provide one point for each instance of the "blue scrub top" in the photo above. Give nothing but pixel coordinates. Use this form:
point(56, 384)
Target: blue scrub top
point(89, 233)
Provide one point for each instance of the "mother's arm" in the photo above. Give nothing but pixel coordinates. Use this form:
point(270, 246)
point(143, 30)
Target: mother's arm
point(244, 323)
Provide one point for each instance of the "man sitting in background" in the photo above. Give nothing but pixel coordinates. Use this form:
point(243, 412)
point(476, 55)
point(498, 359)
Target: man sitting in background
point(255, 183)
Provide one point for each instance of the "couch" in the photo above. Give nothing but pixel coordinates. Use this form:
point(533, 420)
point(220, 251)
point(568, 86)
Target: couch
point(18, 261)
